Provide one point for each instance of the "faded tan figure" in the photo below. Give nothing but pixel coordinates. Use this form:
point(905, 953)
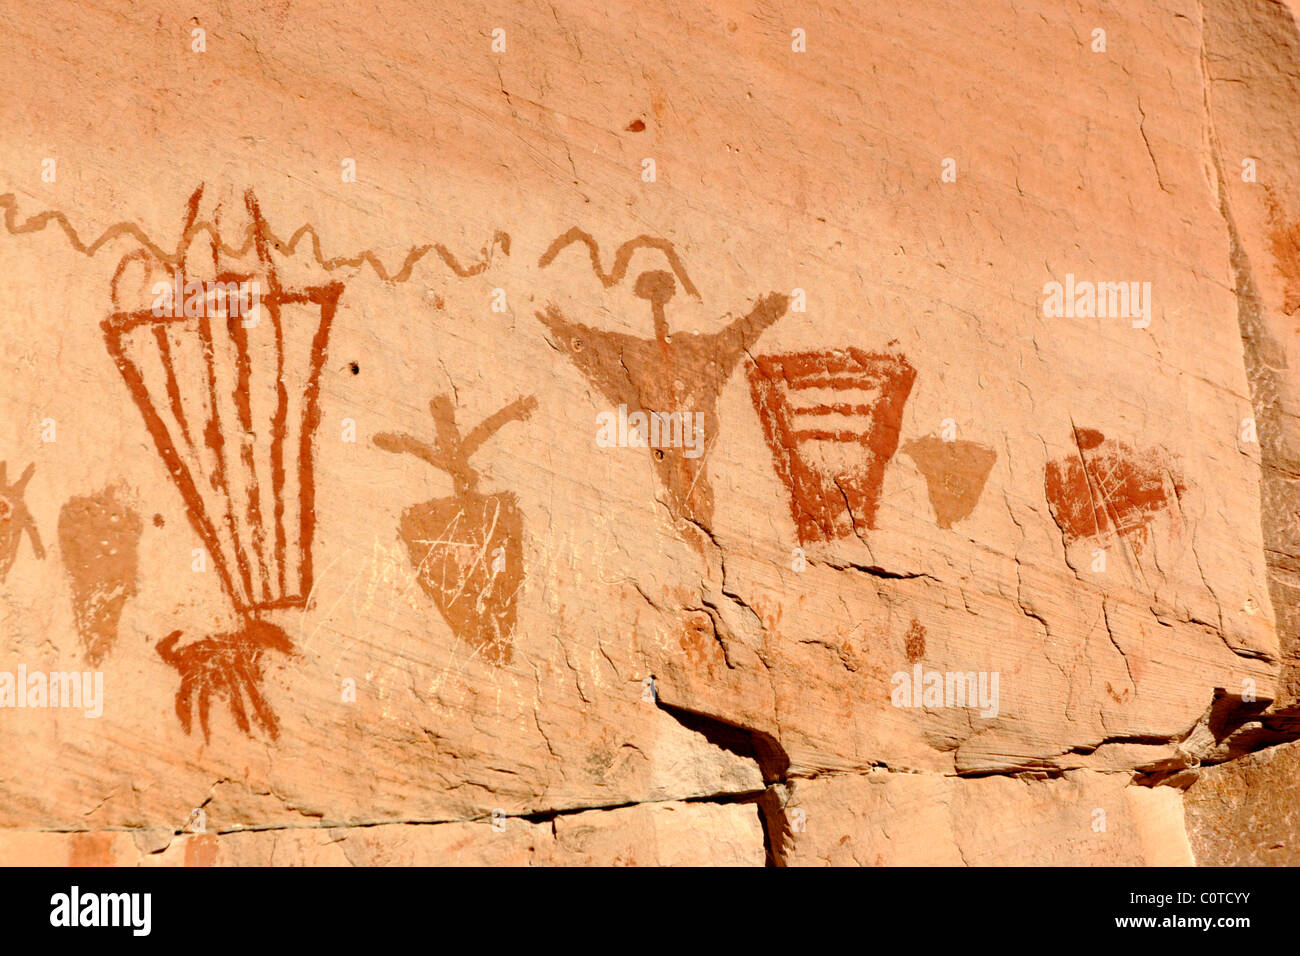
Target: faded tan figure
point(669, 373)
point(16, 520)
point(99, 539)
point(467, 549)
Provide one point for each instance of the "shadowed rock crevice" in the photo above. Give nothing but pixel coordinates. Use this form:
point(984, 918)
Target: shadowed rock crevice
point(773, 763)
point(1239, 803)
point(1266, 373)
point(762, 748)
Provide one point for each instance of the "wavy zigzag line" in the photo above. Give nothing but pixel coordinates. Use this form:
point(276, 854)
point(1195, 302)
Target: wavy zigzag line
point(39, 221)
point(621, 258)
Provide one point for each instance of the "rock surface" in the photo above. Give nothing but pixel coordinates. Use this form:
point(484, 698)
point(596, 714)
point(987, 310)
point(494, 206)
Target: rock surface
point(649, 438)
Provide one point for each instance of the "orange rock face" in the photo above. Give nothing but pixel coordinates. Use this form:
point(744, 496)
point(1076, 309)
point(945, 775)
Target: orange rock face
point(648, 437)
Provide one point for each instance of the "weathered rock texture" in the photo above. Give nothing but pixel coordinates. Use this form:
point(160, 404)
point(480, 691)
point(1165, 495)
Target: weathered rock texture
point(374, 575)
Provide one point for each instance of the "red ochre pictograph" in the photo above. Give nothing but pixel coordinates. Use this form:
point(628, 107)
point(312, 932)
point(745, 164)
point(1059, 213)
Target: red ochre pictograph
point(831, 420)
point(233, 409)
point(1110, 488)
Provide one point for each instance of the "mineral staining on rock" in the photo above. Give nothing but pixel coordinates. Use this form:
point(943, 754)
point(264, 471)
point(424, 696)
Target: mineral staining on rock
point(1284, 240)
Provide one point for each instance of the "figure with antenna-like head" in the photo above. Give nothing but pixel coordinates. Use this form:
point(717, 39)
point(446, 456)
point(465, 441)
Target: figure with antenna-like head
point(672, 371)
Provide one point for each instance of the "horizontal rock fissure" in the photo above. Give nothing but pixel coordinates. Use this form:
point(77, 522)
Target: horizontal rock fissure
point(878, 572)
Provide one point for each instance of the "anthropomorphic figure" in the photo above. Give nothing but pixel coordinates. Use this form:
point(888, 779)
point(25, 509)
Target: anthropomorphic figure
point(467, 548)
point(678, 372)
point(16, 520)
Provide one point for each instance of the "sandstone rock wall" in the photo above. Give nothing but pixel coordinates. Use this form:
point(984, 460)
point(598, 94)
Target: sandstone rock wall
point(372, 573)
